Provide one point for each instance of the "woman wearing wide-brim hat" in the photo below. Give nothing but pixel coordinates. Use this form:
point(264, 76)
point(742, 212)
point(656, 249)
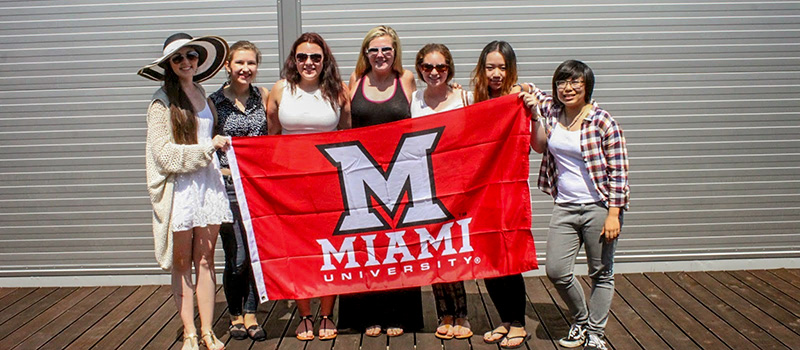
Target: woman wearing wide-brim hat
point(183, 176)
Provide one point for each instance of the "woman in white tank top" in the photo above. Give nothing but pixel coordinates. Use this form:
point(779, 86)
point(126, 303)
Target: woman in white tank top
point(311, 98)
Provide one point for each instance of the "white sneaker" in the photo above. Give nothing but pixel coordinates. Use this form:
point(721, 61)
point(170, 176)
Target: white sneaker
point(575, 338)
point(595, 342)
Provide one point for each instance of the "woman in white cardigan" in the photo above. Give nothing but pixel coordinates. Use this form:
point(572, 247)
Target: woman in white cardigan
point(183, 176)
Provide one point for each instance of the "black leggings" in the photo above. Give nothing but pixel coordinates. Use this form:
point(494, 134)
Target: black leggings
point(508, 296)
point(237, 279)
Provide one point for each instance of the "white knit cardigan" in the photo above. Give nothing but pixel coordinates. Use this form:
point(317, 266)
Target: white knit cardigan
point(164, 159)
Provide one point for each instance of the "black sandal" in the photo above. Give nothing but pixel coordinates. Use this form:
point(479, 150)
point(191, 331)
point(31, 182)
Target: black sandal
point(237, 331)
point(256, 333)
point(305, 321)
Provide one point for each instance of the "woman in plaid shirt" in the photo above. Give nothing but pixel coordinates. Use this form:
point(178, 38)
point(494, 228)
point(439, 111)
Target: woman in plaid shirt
point(585, 169)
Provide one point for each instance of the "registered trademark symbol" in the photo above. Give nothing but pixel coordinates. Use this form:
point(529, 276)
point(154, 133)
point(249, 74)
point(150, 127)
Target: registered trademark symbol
point(477, 260)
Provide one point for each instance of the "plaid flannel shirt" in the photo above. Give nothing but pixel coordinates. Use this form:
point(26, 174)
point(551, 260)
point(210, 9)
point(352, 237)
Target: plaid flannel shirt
point(602, 146)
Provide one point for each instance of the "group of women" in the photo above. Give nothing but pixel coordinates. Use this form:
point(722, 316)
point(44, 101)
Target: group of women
point(584, 168)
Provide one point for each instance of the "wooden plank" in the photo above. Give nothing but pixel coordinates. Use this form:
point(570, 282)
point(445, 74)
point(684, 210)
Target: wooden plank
point(135, 319)
point(634, 324)
point(23, 303)
point(726, 312)
point(11, 298)
point(87, 320)
point(277, 324)
point(549, 317)
point(71, 314)
point(5, 291)
point(763, 296)
point(749, 308)
point(691, 327)
point(39, 329)
point(425, 338)
point(20, 319)
point(616, 335)
point(150, 329)
point(673, 335)
point(787, 276)
point(787, 294)
point(706, 317)
point(478, 316)
point(796, 272)
point(100, 329)
point(405, 341)
point(375, 343)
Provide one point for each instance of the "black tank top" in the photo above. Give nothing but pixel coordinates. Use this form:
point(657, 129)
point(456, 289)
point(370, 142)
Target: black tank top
point(364, 112)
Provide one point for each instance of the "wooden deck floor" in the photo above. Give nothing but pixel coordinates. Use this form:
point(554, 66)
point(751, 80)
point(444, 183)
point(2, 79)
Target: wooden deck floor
point(697, 310)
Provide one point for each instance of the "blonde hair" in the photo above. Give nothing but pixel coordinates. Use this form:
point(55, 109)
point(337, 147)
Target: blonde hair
point(363, 66)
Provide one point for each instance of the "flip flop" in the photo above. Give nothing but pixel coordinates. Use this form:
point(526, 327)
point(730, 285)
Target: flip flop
point(524, 338)
point(448, 331)
point(373, 327)
point(494, 332)
point(457, 330)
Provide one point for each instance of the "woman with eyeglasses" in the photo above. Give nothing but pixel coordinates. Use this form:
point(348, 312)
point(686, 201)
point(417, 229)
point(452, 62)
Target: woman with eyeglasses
point(381, 93)
point(310, 98)
point(241, 107)
point(183, 176)
point(495, 75)
point(585, 168)
point(435, 66)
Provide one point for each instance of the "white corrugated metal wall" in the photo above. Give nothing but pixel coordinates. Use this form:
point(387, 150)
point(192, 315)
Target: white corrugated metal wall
point(706, 92)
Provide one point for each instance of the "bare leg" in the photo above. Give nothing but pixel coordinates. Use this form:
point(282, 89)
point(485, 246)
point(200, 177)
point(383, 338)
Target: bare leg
point(327, 328)
point(182, 286)
point(205, 239)
point(305, 330)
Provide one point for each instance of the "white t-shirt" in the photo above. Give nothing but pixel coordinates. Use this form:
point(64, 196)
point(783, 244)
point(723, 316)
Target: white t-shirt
point(574, 182)
point(420, 109)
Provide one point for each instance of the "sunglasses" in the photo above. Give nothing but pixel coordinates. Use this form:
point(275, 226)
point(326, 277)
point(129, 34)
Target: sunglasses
point(302, 57)
point(374, 50)
point(191, 56)
point(427, 67)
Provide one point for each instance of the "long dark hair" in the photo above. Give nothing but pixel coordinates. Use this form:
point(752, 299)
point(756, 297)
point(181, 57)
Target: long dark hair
point(330, 83)
point(573, 69)
point(480, 81)
point(181, 111)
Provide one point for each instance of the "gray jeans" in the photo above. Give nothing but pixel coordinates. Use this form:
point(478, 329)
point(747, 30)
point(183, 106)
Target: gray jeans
point(571, 226)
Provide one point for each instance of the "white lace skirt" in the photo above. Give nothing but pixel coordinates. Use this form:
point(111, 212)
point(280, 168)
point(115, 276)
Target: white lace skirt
point(200, 199)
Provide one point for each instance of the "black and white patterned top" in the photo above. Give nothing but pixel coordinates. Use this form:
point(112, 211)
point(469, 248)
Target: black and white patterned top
point(231, 121)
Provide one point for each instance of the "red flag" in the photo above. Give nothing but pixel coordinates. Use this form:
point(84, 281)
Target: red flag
point(419, 201)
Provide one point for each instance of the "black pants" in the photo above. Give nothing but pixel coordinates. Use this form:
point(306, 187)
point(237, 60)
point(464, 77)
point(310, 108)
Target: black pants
point(508, 296)
point(237, 279)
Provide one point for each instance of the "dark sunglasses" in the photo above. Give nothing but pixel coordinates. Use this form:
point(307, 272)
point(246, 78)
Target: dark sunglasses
point(302, 57)
point(374, 50)
point(191, 56)
point(441, 68)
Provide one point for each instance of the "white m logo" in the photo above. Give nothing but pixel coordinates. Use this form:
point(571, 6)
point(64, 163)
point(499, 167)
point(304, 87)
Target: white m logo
point(410, 172)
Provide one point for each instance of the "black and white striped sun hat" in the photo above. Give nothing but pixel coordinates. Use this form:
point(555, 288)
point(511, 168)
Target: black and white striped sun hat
point(212, 49)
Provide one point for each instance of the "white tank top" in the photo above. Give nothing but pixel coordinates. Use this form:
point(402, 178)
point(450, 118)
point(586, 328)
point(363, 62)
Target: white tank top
point(303, 113)
point(574, 183)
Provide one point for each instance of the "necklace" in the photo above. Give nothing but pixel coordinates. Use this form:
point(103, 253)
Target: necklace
point(583, 113)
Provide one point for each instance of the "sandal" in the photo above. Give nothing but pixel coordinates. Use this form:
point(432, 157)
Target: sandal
point(524, 338)
point(373, 331)
point(394, 331)
point(488, 337)
point(256, 333)
point(237, 331)
point(191, 341)
point(462, 329)
point(211, 342)
point(445, 329)
point(324, 325)
point(304, 323)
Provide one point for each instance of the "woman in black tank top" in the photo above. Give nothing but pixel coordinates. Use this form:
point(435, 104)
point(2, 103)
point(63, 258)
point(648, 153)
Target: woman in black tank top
point(383, 95)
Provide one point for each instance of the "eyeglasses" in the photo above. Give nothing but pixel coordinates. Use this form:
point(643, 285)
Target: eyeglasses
point(427, 67)
point(191, 56)
point(302, 57)
point(373, 51)
point(575, 83)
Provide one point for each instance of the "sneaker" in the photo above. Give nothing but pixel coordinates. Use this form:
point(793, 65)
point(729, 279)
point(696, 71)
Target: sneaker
point(595, 342)
point(575, 338)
